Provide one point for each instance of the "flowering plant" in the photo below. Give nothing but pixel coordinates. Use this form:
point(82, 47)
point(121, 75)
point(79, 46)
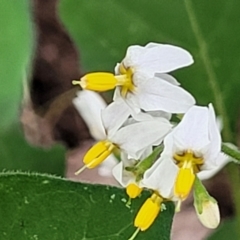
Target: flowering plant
point(168, 158)
point(162, 133)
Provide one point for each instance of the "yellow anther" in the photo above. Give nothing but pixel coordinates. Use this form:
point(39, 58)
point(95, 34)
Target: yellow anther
point(189, 164)
point(103, 81)
point(184, 182)
point(98, 81)
point(133, 190)
point(97, 154)
point(148, 212)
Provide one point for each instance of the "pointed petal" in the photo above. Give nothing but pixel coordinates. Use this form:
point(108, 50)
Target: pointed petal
point(192, 131)
point(214, 135)
point(157, 94)
point(161, 176)
point(114, 116)
point(162, 58)
point(89, 105)
point(135, 138)
point(209, 171)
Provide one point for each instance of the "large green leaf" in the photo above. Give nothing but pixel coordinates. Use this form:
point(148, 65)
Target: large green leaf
point(208, 29)
point(17, 154)
point(46, 208)
point(15, 50)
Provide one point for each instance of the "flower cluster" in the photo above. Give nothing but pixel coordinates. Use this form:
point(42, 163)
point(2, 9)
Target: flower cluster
point(169, 158)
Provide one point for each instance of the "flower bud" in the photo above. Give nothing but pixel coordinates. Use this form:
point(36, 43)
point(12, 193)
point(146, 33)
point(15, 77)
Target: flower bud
point(209, 216)
point(206, 206)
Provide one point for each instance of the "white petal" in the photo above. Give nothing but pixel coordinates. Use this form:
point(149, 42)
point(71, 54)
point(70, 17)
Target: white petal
point(114, 116)
point(116, 69)
point(167, 78)
point(162, 58)
point(192, 131)
point(129, 101)
point(135, 138)
point(161, 176)
point(135, 111)
point(214, 135)
point(89, 105)
point(105, 169)
point(157, 94)
point(122, 176)
point(211, 170)
point(133, 55)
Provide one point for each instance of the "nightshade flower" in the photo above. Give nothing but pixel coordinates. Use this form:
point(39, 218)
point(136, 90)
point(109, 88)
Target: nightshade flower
point(192, 147)
point(124, 173)
point(90, 104)
point(133, 139)
point(136, 81)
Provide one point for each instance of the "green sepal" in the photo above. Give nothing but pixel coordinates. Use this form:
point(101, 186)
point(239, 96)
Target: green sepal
point(200, 195)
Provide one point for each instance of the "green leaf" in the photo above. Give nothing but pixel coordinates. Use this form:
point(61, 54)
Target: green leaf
point(104, 29)
point(227, 230)
point(47, 208)
point(16, 43)
point(17, 154)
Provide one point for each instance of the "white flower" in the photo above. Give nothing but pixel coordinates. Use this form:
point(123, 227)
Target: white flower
point(141, 79)
point(153, 89)
point(120, 173)
point(133, 139)
point(156, 58)
point(90, 105)
point(192, 147)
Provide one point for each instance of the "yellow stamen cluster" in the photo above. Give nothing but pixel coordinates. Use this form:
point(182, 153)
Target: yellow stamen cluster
point(133, 190)
point(128, 83)
point(103, 81)
point(189, 165)
point(97, 154)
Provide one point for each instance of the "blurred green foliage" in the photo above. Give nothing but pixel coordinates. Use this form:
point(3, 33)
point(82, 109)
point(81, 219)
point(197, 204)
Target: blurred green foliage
point(226, 231)
point(17, 154)
point(16, 51)
point(16, 45)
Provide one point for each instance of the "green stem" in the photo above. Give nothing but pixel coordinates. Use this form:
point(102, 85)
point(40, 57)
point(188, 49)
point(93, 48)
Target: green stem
point(231, 152)
point(233, 170)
